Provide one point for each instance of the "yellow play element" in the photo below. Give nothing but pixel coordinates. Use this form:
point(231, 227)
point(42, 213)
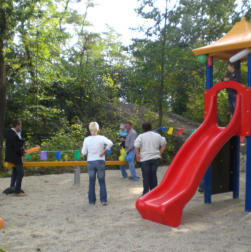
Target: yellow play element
point(62, 163)
point(237, 39)
point(8, 165)
point(122, 154)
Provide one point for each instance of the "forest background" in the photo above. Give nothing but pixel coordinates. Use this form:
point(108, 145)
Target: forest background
point(57, 76)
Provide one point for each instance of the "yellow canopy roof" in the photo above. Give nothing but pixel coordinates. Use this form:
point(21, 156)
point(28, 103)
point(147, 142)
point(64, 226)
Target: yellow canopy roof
point(237, 39)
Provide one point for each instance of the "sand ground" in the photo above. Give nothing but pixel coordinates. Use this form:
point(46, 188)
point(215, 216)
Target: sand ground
point(55, 217)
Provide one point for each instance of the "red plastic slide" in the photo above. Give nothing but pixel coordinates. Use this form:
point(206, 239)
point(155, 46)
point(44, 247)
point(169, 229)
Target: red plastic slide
point(165, 203)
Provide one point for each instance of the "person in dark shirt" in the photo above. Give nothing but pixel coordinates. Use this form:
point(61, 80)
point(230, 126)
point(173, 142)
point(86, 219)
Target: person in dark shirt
point(233, 74)
point(14, 151)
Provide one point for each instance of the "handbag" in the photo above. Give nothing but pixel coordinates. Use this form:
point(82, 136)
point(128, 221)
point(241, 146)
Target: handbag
point(122, 154)
point(128, 157)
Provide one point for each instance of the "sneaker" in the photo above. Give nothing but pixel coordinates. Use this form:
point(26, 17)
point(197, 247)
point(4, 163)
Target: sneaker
point(19, 194)
point(135, 179)
point(104, 203)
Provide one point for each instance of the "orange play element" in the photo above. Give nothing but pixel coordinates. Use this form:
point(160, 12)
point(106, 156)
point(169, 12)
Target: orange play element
point(165, 203)
point(237, 39)
point(1, 223)
point(31, 150)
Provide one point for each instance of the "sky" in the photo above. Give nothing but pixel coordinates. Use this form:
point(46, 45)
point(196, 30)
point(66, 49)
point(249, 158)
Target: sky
point(118, 14)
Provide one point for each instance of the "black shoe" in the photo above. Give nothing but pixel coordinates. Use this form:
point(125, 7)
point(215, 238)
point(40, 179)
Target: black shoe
point(9, 190)
point(201, 190)
point(104, 203)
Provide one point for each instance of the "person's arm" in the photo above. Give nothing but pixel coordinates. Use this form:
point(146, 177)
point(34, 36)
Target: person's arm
point(163, 146)
point(237, 76)
point(162, 150)
point(15, 143)
point(84, 148)
point(108, 144)
point(132, 139)
point(137, 144)
point(137, 154)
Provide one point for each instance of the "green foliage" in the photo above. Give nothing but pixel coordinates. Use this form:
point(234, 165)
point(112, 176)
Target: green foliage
point(171, 149)
point(223, 112)
point(57, 84)
point(68, 138)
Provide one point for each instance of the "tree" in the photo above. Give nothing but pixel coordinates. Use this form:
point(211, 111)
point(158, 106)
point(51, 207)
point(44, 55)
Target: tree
point(6, 25)
point(159, 29)
point(3, 31)
point(188, 25)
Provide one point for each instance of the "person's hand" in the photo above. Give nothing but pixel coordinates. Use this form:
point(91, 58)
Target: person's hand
point(226, 79)
point(102, 153)
point(138, 157)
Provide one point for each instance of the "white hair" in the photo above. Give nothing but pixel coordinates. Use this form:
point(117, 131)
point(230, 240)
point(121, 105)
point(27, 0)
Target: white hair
point(93, 127)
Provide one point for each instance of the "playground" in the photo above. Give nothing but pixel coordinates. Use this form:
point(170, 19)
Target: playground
point(56, 216)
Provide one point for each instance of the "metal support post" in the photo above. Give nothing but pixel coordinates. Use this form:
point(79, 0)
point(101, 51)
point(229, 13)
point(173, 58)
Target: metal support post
point(77, 176)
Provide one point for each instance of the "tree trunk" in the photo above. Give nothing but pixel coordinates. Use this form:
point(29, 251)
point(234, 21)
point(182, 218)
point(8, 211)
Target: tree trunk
point(2, 84)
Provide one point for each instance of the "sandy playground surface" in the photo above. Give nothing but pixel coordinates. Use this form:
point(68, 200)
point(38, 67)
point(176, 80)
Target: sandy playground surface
point(55, 217)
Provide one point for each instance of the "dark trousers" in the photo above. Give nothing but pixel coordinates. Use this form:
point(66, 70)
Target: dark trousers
point(16, 177)
point(149, 174)
point(231, 101)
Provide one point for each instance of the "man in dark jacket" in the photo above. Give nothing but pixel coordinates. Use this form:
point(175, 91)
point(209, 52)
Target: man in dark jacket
point(13, 154)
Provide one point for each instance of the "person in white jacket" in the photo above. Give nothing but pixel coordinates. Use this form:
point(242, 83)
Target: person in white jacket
point(94, 147)
point(149, 147)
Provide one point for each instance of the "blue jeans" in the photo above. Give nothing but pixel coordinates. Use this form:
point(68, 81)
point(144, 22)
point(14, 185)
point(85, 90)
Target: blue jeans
point(123, 171)
point(17, 177)
point(96, 167)
point(131, 156)
point(149, 174)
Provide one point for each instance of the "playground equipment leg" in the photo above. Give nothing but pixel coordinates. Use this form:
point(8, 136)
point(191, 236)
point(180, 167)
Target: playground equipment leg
point(207, 177)
point(236, 161)
point(248, 153)
point(77, 176)
point(207, 185)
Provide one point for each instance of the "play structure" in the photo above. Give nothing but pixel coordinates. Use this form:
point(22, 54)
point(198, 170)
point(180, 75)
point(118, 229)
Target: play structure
point(76, 164)
point(1, 223)
point(165, 203)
